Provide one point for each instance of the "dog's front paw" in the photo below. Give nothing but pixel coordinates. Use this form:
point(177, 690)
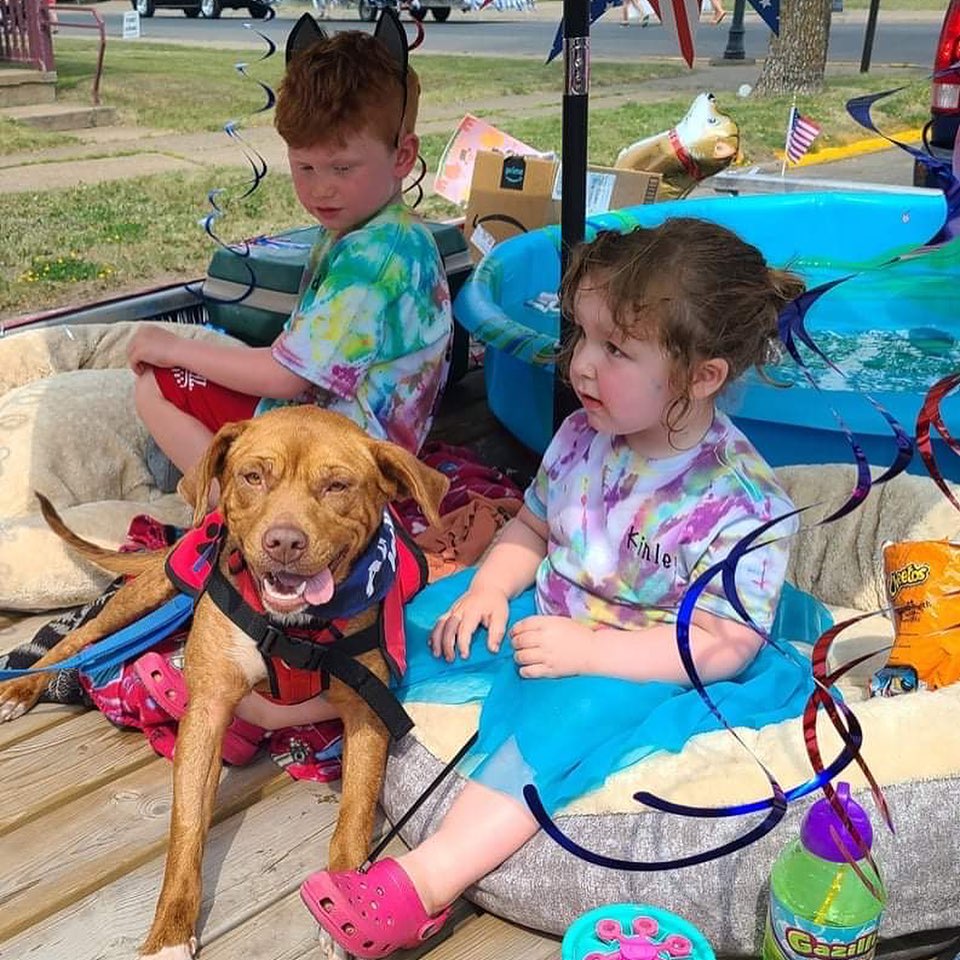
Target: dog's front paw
point(182, 951)
point(329, 949)
point(18, 696)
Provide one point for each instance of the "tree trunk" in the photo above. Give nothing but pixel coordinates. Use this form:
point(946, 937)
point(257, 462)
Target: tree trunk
point(797, 58)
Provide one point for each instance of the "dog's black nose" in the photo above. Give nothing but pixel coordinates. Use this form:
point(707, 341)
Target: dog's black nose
point(285, 544)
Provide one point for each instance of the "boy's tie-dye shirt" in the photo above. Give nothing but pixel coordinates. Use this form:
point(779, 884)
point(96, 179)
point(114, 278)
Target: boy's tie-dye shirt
point(627, 534)
point(372, 328)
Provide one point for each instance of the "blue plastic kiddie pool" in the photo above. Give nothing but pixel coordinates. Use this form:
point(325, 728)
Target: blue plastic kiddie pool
point(893, 328)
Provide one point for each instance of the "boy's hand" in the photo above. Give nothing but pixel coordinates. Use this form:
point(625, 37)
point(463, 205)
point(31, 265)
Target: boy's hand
point(151, 347)
point(454, 631)
point(551, 646)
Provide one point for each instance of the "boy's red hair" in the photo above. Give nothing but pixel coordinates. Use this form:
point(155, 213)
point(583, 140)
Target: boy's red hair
point(345, 84)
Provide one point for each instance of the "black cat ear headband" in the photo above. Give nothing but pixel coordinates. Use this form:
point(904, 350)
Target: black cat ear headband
point(389, 31)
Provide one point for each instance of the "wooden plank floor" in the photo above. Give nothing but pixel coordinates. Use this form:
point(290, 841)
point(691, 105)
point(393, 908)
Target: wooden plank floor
point(84, 810)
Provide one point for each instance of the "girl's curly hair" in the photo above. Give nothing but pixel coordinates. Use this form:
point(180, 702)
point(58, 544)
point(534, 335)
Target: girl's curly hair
point(693, 286)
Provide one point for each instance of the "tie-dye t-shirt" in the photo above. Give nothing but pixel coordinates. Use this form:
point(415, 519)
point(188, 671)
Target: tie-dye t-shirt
point(372, 328)
point(628, 534)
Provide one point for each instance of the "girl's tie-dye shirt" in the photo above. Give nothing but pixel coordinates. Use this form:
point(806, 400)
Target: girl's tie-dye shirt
point(628, 534)
point(372, 328)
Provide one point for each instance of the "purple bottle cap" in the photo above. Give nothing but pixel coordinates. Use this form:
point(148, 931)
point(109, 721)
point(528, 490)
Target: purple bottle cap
point(816, 836)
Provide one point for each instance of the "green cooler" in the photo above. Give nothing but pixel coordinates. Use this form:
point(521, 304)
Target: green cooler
point(277, 264)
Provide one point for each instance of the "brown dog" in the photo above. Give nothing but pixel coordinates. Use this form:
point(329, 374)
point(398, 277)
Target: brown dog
point(303, 492)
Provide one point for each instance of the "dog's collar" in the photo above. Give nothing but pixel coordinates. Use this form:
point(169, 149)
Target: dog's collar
point(684, 156)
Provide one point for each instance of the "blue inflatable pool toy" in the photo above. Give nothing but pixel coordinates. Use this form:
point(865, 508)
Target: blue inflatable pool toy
point(894, 329)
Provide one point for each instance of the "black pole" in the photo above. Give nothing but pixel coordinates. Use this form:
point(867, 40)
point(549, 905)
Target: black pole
point(573, 182)
point(868, 36)
point(734, 49)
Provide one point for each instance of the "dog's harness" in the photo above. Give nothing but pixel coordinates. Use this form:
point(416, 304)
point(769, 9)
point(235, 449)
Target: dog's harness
point(301, 660)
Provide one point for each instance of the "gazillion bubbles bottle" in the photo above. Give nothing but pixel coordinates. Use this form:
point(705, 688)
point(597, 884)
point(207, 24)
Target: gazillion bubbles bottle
point(819, 907)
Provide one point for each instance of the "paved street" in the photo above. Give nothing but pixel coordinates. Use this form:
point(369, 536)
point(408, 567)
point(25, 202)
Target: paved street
point(898, 40)
point(886, 166)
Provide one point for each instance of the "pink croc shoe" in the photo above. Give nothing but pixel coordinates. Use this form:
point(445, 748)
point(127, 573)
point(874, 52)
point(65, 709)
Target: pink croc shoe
point(167, 687)
point(370, 914)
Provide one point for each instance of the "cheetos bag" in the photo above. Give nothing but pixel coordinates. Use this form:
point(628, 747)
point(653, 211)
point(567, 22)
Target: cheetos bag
point(922, 580)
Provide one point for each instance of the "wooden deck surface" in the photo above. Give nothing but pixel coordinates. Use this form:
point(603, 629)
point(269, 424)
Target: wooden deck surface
point(84, 810)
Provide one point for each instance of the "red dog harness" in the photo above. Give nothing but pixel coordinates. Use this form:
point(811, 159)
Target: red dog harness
point(301, 660)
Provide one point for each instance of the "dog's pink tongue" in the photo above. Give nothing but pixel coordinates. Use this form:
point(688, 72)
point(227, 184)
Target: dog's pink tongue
point(319, 589)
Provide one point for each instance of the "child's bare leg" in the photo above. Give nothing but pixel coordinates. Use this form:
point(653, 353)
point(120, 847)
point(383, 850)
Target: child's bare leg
point(274, 716)
point(481, 830)
point(180, 436)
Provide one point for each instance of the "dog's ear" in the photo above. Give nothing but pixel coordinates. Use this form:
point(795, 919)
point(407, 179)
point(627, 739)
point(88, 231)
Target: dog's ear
point(305, 33)
point(211, 467)
point(406, 476)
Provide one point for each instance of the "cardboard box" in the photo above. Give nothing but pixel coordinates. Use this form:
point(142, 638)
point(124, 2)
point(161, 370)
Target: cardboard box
point(472, 135)
point(515, 194)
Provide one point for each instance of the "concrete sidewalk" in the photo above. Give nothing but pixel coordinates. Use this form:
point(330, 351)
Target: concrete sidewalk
point(103, 154)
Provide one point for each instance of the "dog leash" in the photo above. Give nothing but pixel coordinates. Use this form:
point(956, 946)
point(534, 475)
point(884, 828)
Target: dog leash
point(418, 803)
point(117, 648)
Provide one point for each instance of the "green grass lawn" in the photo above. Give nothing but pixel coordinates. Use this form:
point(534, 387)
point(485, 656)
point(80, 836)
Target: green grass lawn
point(174, 87)
point(71, 246)
point(17, 138)
point(885, 5)
point(761, 121)
point(80, 244)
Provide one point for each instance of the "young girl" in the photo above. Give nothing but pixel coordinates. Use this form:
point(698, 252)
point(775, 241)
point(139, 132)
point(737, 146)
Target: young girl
point(640, 491)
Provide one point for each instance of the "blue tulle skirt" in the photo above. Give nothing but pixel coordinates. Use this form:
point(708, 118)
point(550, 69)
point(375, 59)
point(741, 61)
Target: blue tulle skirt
point(567, 735)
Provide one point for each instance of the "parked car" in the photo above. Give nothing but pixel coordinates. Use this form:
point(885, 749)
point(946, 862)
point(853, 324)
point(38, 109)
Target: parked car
point(940, 133)
point(193, 8)
point(440, 9)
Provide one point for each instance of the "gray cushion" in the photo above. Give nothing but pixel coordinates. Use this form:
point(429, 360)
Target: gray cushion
point(545, 887)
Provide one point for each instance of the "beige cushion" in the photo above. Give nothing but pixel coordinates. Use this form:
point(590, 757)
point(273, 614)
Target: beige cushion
point(41, 353)
point(69, 429)
point(840, 562)
point(38, 571)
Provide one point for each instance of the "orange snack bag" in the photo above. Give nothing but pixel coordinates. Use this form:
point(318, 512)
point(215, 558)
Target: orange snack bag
point(923, 585)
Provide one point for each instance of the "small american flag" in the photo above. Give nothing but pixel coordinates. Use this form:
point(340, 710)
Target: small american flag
point(801, 132)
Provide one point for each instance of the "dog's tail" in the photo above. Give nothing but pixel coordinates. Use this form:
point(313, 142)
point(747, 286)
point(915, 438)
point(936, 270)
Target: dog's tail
point(128, 564)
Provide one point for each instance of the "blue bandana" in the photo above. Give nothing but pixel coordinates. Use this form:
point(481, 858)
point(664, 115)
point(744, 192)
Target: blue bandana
point(369, 580)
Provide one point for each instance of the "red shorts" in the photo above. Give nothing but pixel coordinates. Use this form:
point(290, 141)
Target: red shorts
point(204, 400)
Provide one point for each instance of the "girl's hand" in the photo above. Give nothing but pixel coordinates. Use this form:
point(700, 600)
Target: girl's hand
point(454, 631)
point(150, 347)
point(551, 646)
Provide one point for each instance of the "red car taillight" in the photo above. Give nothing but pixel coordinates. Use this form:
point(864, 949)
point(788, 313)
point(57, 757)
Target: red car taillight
point(946, 86)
